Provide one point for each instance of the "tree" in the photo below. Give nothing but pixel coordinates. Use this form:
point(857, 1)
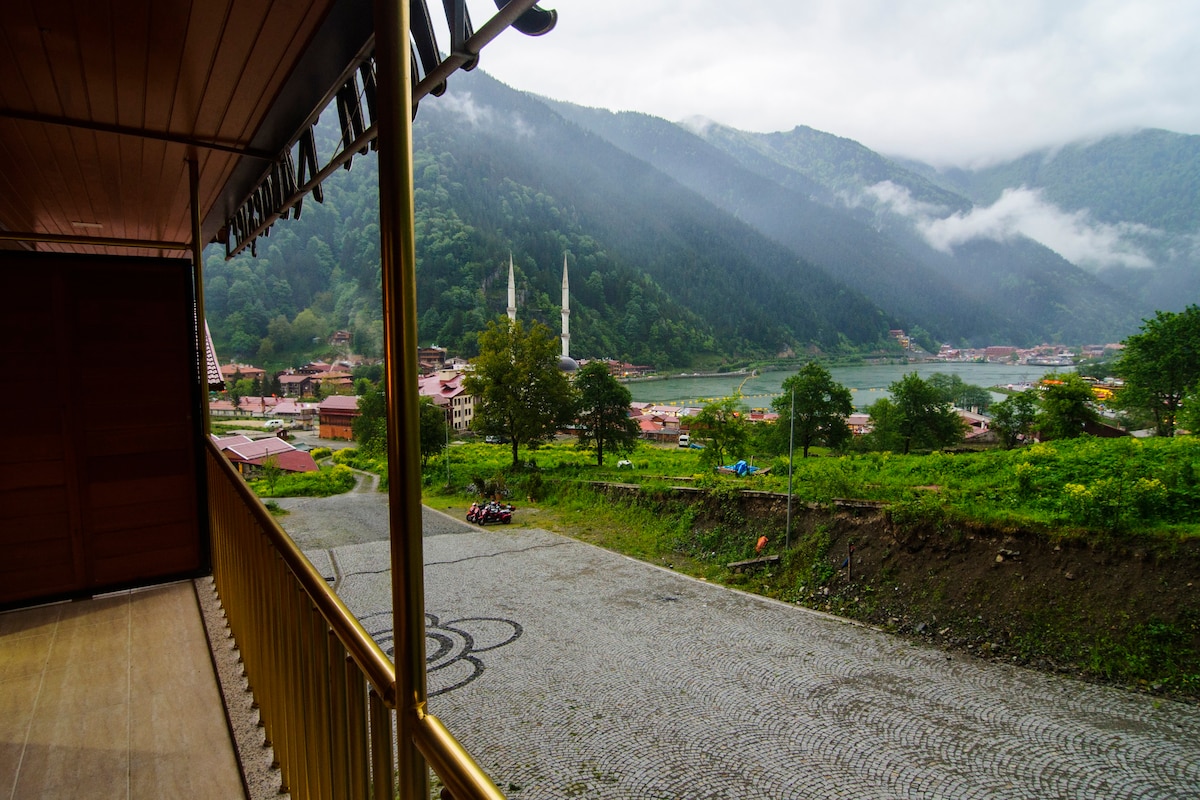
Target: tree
point(1188, 417)
point(1014, 416)
point(925, 419)
point(821, 407)
point(604, 420)
point(370, 426)
point(885, 426)
point(956, 391)
point(519, 390)
point(721, 427)
point(271, 472)
point(1160, 365)
point(433, 429)
point(1067, 406)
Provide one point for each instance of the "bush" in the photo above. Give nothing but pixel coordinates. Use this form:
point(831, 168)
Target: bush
point(323, 483)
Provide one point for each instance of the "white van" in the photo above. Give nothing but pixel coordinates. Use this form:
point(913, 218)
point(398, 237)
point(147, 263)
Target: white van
point(683, 440)
point(273, 424)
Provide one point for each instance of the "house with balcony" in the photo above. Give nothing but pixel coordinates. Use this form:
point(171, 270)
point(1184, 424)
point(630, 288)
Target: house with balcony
point(132, 137)
point(448, 393)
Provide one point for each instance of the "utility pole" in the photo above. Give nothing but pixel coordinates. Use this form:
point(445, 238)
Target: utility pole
point(787, 536)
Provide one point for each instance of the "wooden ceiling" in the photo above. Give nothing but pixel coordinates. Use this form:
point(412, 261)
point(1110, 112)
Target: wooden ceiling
point(103, 101)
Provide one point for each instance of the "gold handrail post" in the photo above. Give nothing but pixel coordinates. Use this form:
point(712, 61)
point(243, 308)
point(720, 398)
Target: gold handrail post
point(398, 265)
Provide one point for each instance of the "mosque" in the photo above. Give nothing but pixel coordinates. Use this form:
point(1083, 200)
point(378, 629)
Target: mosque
point(565, 362)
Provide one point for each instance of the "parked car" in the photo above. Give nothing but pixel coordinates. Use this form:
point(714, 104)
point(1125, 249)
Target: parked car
point(495, 439)
point(273, 425)
point(683, 440)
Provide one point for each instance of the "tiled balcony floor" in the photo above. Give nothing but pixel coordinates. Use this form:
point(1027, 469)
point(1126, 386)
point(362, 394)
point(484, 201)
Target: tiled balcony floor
point(113, 697)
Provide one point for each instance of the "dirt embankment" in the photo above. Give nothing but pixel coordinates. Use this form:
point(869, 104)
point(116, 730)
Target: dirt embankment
point(1123, 611)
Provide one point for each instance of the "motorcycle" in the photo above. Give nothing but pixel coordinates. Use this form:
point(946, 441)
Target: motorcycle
point(491, 511)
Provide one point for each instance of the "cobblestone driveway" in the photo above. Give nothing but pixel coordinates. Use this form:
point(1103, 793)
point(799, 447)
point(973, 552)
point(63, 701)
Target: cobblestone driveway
point(570, 671)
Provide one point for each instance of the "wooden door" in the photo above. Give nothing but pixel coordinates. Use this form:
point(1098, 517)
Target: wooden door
point(98, 474)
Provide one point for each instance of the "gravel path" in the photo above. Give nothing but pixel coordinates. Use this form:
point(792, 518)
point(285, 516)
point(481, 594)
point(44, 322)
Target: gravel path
point(572, 671)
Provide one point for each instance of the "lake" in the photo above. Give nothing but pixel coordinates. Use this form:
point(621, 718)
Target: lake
point(866, 383)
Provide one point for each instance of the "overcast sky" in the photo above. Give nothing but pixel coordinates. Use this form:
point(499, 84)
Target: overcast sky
point(951, 82)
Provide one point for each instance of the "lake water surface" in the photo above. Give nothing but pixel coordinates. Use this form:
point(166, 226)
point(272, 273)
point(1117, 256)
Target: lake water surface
point(866, 383)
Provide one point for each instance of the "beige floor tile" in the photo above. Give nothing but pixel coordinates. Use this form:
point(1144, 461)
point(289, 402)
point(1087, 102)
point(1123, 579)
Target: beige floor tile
point(168, 599)
point(97, 611)
point(113, 698)
point(80, 686)
point(17, 697)
point(78, 755)
point(182, 750)
point(24, 655)
point(37, 621)
point(105, 640)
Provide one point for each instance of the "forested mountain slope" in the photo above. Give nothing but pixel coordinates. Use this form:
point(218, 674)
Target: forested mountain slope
point(869, 220)
point(658, 274)
point(698, 243)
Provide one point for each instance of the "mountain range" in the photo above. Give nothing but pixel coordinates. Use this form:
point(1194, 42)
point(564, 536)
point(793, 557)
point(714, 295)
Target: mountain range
point(694, 242)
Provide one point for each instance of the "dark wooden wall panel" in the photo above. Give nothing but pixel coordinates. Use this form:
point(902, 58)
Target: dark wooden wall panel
point(98, 488)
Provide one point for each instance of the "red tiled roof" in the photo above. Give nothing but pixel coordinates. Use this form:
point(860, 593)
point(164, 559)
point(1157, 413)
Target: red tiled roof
point(213, 367)
point(223, 442)
point(340, 402)
point(290, 461)
point(258, 449)
point(436, 386)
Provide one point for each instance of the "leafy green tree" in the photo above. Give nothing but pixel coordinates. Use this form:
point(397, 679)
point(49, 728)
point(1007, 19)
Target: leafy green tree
point(519, 390)
point(885, 426)
point(1160, 365)
point(434, 431)
point(925, 418)
point(1067, 406)
point(271, 472)
point(1014, 416)
point(603, 417)
point(370, 426)
point(722, 429)
point(821, 407)
point(1188, 417)
point(956, 391)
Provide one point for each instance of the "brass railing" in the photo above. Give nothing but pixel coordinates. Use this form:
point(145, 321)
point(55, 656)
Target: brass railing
point(325, 690)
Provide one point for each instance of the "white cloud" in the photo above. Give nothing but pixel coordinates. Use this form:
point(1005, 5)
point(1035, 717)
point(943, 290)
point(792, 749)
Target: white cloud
point(1074, 235)
point(900, 200)
point(462, 104)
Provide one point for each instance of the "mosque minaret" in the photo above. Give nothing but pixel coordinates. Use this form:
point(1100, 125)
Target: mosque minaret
point(566, 313)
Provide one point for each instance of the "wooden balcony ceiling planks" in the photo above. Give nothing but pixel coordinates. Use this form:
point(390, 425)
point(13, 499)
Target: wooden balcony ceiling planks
point(237, 73)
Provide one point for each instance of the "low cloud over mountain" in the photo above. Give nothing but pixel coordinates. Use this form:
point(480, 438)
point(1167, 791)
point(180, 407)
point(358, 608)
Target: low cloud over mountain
point(1024, 212)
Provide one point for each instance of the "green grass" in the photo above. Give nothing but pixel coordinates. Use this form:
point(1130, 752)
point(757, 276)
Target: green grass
point(1076, 488)
point(323, 483)
point(1113, 492)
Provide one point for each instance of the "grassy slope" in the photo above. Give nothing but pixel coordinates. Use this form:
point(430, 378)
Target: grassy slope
point(1077, 557)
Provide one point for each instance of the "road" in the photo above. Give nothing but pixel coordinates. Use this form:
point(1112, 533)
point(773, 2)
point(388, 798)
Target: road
point(570, 671)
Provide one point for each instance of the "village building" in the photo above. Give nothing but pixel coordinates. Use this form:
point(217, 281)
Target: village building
point(336, 417)
point(234, 372)
point(247, 406)
point(431, 359)
point(446, 389)
point(296, 412)
point(297, 385)
point(249, 455)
